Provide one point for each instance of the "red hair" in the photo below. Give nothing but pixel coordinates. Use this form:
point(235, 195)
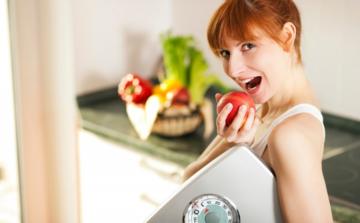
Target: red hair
point(237, 18)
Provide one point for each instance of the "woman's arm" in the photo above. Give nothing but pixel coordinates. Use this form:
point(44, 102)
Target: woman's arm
point(217, 146)
point(295, 151)
point(237, 132)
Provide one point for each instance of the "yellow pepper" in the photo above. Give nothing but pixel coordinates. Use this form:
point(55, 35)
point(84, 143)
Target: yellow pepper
point(162, 89)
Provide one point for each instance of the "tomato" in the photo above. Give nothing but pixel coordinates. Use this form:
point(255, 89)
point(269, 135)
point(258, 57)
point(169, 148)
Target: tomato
point(179, 96)
point(135, 89)
point(236, 98)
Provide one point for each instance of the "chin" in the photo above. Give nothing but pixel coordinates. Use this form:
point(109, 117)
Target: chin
point(262, 99)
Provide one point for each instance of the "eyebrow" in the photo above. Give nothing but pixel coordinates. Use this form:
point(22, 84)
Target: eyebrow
point(239, 43)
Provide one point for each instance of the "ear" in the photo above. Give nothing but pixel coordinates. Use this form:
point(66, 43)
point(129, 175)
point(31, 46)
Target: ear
point(288, 35)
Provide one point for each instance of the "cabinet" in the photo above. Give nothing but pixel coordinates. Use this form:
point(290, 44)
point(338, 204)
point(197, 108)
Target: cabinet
point(118, 184)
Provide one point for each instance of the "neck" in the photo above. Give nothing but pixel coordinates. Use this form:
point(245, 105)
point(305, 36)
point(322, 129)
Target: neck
point(295, 90)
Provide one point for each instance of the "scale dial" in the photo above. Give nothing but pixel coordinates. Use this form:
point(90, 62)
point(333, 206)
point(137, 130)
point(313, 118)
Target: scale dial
point(211, 208)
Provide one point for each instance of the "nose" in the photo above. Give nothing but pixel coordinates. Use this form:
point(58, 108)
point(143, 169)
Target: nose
point(236, 65)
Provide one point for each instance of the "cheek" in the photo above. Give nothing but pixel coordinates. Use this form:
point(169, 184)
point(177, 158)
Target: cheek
point(262, 63)
point(271, 63)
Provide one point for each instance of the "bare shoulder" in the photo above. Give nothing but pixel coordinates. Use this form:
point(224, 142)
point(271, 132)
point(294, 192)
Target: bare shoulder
point(296, 140)
point(295, 150)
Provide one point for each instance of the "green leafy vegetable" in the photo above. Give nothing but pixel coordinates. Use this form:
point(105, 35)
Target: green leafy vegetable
point(185, 63)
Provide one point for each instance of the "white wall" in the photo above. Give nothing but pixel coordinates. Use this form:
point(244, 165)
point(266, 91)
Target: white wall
point(113, 37)
point(192, 17)
point(331, 53)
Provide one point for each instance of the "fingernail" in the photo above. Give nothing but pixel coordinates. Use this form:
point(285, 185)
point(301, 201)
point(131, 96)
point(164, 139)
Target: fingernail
point(229, 106)
point(243, 107)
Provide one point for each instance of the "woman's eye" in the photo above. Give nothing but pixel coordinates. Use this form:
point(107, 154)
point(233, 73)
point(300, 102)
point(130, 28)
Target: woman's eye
point(247, 46)
point(225, 54)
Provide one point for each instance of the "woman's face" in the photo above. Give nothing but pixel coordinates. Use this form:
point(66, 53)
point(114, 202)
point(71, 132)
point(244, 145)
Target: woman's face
point(258, 66)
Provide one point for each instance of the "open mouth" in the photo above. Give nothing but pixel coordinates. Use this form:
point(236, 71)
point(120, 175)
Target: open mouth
point(253, 83)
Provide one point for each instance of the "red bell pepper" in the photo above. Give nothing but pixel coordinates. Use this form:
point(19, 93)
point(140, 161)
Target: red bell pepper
point(134, 89)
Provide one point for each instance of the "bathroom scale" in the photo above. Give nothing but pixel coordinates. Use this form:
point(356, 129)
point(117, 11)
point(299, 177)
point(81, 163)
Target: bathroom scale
point(235, 187)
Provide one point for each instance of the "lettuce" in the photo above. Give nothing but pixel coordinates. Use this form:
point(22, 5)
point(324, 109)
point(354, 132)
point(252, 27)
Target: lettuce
point(186, 64)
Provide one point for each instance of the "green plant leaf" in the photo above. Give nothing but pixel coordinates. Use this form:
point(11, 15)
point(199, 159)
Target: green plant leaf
point(176, 56)
point(185, 63)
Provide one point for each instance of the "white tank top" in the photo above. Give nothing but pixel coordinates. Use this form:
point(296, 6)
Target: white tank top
point(260, 146)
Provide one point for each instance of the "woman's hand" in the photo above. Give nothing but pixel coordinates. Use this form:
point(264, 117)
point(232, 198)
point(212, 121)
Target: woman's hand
point(242, 129)
point(226, 138)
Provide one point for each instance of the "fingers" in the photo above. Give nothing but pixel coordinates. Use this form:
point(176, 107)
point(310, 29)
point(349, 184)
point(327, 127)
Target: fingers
point(242, 129)
point(218, 96)
point(248, 130)
point(257, 122)
point(236, 124)
point(221, 118)
point(248, 135)
point(250, 120)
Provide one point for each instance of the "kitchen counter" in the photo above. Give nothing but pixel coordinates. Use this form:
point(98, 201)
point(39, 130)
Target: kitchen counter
point(109, 120)
point(104, 114)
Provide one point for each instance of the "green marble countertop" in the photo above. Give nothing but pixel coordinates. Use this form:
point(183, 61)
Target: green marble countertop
point(104, 114)
point(110, 120)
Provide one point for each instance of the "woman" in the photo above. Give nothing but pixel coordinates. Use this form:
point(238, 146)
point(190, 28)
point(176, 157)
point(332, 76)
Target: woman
point(258, 42)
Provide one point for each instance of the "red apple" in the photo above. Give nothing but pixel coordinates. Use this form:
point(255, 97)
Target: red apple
point(237, 99)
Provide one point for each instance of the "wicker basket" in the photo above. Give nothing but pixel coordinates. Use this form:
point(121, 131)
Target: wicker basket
point(172, 121)
point(177, 125)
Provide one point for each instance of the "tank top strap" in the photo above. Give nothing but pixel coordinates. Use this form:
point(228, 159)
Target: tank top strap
point(260, 146)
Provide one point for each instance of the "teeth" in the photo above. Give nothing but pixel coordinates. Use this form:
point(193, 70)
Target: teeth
point(247, 80)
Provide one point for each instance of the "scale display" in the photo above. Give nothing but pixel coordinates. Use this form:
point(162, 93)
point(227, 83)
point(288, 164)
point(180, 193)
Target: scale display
point(211, 208)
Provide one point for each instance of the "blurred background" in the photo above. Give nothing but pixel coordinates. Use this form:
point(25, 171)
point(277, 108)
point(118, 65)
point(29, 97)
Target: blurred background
point(69, 152)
